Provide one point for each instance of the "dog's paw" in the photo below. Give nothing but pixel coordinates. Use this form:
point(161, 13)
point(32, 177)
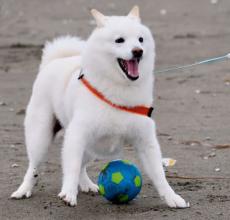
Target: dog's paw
point(21, 193)
point(69, 199)
point(173, 200)
point(89, 187)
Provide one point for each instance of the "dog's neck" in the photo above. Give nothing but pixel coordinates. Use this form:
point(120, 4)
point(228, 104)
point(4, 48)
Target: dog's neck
point(126, 94)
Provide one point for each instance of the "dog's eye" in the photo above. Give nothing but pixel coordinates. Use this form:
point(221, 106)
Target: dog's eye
point(120, 40)
point(141, 39)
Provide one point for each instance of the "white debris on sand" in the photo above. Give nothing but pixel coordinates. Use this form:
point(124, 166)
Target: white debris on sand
point(214, 2)
point(168, 162)
point(2, 103)
point(210, 155)
point(15, 165)
point(207, 138)
point(163, 11)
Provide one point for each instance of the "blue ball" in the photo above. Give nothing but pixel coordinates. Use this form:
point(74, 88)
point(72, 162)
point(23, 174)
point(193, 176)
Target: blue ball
point(119, 181)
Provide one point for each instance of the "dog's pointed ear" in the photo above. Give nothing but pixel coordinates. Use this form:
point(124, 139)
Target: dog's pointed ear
point(99, 17)
point(134, 13)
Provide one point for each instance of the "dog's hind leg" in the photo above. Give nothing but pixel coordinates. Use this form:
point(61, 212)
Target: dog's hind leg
point(85, 183)
point(39, 128)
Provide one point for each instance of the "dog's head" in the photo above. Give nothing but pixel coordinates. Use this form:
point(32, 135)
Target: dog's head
point(121, 47)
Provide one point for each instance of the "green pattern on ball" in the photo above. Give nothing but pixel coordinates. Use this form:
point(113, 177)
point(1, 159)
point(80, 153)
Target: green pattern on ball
point(101, 189)
point(123, 198)
point(126, 161)
point(137, 181)
point(117, 177)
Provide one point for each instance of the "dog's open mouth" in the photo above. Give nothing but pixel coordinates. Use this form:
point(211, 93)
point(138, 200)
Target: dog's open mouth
point(130, 68)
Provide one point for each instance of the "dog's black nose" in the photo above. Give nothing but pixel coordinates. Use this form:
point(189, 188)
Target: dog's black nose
point(137, 52)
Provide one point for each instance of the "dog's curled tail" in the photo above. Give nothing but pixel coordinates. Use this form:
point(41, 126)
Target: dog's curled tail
point(61, 47)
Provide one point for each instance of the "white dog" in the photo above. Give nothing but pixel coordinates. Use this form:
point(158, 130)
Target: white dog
point(100, 91)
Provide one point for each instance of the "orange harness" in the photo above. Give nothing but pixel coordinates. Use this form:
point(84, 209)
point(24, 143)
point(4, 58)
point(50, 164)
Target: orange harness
point(141, 110)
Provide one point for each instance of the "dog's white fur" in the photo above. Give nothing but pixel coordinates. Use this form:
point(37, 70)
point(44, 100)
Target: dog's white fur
point(94, 129)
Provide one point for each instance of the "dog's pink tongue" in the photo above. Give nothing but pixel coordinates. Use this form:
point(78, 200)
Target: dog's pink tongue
point(132, 68)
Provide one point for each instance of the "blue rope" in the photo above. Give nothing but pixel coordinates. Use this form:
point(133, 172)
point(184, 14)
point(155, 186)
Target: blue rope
point(207, 61)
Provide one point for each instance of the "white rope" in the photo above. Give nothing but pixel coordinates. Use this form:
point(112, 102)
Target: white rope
point(210, 60)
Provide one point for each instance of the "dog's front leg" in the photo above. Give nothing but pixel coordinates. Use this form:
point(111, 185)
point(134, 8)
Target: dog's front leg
point(72, 154)
point(150, 154)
